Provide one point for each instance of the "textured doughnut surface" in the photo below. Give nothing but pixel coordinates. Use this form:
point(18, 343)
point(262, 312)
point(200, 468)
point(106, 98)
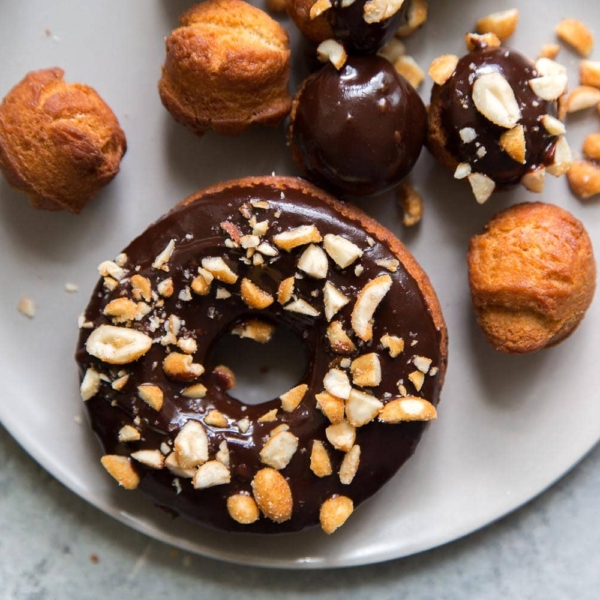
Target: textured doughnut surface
point(243, 257)
point(532, 275)
point(59, 142)
point(227, 68)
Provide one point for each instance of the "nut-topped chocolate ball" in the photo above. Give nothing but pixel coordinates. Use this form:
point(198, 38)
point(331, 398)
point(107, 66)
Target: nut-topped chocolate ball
point(363, 26)
point(493, 120)
point(358, 130)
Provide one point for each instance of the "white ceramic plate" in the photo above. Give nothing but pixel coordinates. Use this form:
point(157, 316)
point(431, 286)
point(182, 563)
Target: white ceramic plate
point(508, 426)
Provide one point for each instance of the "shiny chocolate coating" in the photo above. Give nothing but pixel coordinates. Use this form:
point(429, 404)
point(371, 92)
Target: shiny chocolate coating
point(358, 36)
point(359, 130)
point(458, 111)
point(196, 229)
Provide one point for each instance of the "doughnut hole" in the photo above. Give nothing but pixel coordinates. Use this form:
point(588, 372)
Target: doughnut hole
point(357, 131)
point(263, 371)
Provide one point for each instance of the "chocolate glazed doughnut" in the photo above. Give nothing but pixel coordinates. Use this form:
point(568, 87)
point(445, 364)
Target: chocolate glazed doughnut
point(243, 257)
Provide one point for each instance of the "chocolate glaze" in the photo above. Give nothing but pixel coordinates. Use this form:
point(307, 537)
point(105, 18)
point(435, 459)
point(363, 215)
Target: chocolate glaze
point(358, 36)
point(403, 312)
point(359, 130)
point(458, 111)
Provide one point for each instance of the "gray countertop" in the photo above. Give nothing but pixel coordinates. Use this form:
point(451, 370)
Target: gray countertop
point(55, 545)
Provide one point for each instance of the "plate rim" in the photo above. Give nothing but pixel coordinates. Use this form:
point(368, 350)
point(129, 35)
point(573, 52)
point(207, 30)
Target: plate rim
point(19, 435)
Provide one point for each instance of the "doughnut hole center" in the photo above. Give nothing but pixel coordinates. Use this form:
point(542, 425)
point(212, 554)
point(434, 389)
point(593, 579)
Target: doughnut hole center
point(263, 371)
